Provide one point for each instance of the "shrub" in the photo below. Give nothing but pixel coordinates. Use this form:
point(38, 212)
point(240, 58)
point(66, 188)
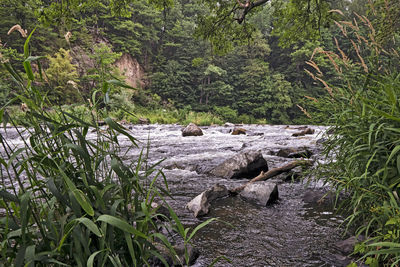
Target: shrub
point(226, 113)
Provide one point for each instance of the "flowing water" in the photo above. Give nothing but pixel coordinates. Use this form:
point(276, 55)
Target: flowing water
point(291, 232)
point(288, 233)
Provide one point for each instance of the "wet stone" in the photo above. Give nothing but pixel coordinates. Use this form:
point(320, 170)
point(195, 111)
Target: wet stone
point(245, 164)
point(262, 193)
point(238, 131)
point(192, 130)
point(200, 205)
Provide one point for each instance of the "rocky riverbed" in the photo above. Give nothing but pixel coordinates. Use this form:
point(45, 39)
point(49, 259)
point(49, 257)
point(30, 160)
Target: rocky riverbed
point(297, 230)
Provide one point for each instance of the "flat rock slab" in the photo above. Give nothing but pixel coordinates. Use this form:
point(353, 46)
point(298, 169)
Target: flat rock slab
point(245, 164)
point(262, 193)
point(200, 205)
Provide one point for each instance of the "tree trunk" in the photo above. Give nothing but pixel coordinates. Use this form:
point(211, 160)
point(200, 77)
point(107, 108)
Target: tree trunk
point(202, 90)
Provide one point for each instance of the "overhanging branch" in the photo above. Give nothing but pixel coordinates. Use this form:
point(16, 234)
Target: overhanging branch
point(247, 6)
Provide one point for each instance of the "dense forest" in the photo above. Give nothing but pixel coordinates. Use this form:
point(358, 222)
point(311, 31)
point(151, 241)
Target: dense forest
point(245, 74)
point(70, 66)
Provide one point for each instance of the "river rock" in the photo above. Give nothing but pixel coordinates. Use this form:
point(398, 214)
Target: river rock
point(347, 246)
point(200, 204)
point(245, 164)
point(237, 131)
point(294, 153)
point(228, 124)
point(262, 193)
point(316, 196)
point(162, 212)
point(304, 132)
point(144, 121)
point(192, 130)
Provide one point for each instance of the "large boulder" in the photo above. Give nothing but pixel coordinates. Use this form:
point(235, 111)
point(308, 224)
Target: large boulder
point(262, 193)
point(200, 205)
point(192, 130)
point(245, 164)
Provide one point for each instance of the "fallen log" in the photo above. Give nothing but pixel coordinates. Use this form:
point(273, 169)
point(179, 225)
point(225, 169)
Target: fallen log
point(273, 172)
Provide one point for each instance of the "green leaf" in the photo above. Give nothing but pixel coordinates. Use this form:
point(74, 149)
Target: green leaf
point(178, 223)
point(121, 224)
point(15, 155)
point(54, 190)
point(90, 225)
point(33, 58)
point(119, 83)
point(26, 45)
point(83, 201)
point(7, 196)
point(219, 258)
point(78, 194)
point(198, 227)
point(30, 256)
point(25, 214)
point(28, 70)
point(394, 152)
point(115, 126)
point(90, 260)
point(14, 74)
point(128, 240)
point(385, 244)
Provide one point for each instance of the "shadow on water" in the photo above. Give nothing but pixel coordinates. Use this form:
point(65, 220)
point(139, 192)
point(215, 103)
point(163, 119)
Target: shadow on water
point(288, 233)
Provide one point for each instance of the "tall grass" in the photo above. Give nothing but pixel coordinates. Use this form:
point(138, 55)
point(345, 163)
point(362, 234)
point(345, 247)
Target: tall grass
point(363, 152)
point(68, 197)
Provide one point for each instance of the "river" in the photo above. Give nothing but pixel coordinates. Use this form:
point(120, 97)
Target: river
point(290, 232)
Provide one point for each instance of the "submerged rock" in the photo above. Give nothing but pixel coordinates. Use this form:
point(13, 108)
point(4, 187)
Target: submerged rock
point(192, 130)
point(294, 153)
point(304, 132)
point(237, 131)
point(262, 193)
point(200, 204)
point(318, 197)
point(245, 164)
point(347, 246)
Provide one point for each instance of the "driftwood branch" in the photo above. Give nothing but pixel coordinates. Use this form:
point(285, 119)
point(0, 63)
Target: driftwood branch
point(273, 172)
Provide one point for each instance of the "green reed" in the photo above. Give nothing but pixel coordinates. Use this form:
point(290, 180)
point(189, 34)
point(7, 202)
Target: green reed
point(68, 198)
point(363, 150)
